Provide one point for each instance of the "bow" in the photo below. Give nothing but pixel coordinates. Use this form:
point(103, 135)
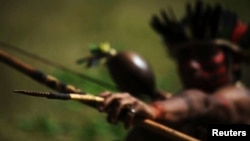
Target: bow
point(59, 86)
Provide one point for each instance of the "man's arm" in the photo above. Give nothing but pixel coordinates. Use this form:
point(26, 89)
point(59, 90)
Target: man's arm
point(228, 105)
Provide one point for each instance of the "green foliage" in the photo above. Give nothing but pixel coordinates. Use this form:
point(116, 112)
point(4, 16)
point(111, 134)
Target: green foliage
point(48, 126)
point(93, 130)
point(61, 30)
point(98, 130)
point(42, 124)
point(25, 124)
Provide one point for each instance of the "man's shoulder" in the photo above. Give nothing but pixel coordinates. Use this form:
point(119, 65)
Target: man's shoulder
point(233, 92)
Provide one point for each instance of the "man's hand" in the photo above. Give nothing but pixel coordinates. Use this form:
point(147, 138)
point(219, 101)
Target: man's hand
point(123, 106)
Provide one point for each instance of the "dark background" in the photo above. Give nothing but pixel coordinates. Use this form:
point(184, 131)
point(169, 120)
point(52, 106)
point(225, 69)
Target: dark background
point(61, 31)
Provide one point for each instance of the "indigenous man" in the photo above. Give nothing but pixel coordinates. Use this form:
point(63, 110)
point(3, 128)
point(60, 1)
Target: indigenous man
point(209, 45)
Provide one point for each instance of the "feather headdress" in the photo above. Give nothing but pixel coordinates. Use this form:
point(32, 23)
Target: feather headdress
point(204, 24)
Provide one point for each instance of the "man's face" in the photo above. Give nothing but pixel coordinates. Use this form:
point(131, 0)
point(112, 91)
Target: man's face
point(203, 67)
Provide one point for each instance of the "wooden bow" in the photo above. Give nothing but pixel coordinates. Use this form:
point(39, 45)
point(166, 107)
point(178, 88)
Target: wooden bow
point(59, 86)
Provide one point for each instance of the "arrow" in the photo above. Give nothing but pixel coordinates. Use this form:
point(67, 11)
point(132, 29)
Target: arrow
point(63, 96)
point(57, 85)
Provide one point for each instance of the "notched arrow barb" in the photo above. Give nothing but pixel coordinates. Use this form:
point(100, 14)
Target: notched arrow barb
point(62, 96)
point(32, 93)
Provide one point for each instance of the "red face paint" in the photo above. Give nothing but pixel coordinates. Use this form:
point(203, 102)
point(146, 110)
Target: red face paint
point(203, 68)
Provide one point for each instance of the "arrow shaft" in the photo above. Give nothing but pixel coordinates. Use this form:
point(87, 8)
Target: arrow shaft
point(55, 84)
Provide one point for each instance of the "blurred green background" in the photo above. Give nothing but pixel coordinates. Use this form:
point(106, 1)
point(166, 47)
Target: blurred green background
point(61, 31)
